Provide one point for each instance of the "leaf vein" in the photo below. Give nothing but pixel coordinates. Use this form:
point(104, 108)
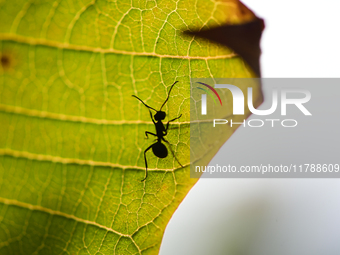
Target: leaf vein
point(72, 118)
point(66, 46)
point(57, 159)
point(13, 202)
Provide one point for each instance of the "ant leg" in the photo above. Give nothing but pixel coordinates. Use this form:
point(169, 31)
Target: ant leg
point(167, 124)
point(147, 132)
point(172, 152)
point(152, 117)
point(146, 163)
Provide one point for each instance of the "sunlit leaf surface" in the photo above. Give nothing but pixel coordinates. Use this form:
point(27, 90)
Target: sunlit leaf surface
point(72, 137)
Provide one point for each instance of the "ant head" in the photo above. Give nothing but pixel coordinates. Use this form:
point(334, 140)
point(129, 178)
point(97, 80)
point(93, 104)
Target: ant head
point(160, 115)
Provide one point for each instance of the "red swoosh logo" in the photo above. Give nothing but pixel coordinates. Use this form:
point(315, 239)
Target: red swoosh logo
point(213, 90)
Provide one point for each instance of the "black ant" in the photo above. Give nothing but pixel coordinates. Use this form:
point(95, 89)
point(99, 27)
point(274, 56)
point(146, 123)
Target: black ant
point(158, 148)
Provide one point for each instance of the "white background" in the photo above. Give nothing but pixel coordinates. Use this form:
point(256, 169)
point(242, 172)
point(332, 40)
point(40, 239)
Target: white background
point(270, 216)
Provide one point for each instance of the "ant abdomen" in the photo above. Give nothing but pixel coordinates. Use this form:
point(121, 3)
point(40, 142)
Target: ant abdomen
point(160, 150)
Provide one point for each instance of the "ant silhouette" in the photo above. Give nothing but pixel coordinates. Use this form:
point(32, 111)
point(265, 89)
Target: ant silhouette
point(158, 148)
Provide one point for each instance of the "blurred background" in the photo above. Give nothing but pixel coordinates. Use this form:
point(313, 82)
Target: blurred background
point(270, 216)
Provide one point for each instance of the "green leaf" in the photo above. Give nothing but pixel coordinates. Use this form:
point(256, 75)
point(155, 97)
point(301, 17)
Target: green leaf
point(72, 137)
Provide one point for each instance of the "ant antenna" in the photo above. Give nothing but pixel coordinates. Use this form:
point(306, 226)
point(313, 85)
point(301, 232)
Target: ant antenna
point(168, 95)
point(144, 103)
